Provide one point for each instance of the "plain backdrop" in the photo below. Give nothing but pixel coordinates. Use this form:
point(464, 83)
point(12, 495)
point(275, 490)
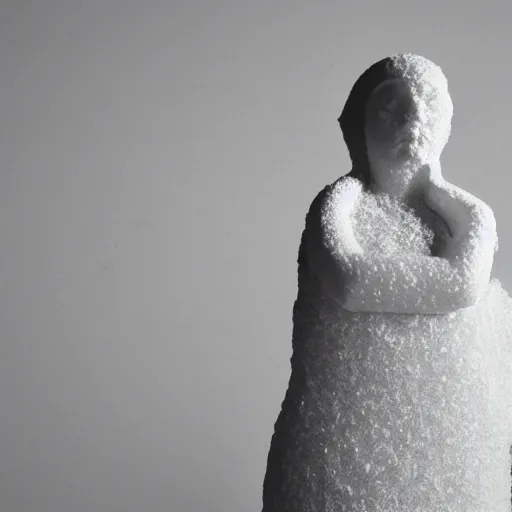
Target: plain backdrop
point(157, 159)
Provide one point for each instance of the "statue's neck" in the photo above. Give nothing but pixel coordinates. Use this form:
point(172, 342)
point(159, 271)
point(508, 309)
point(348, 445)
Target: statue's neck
point(402, 183)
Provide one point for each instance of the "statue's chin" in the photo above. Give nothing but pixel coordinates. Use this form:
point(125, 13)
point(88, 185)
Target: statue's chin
point(400, 160)
point(408, 155)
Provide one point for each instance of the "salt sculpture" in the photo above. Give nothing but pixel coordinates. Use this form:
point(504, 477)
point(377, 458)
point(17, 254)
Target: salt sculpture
point(397, 399)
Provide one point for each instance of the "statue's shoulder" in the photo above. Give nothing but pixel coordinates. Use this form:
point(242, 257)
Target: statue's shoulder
point(335, 199)
point(313, 216)
point(345, 189)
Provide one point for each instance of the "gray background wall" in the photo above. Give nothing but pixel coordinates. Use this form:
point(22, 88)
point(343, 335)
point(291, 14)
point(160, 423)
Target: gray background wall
point(156, 162)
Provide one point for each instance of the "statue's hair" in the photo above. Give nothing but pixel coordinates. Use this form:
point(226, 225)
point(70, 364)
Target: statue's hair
point(420, 71)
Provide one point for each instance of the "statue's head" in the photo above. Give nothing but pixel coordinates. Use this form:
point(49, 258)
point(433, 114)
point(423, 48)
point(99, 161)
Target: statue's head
point(398, 114)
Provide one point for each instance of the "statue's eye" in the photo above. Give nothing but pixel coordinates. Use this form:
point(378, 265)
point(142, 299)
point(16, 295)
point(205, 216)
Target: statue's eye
point(389, 104)
point(385, 114)
point(387, 110)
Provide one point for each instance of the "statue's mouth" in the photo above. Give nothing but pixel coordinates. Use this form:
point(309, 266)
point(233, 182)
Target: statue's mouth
point(411, 140)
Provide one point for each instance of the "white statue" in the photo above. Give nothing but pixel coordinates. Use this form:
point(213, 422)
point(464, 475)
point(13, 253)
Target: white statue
point(398, 397)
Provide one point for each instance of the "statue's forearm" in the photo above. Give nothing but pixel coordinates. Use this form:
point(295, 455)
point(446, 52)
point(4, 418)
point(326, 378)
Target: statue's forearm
point(415, 285)
point(406, 283)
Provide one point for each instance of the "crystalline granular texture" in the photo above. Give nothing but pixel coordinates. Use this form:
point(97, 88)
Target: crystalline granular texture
point(394, 412)
point(384, 226)
point(390, 412)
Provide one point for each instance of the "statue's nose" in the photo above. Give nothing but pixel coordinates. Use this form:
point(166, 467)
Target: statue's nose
point(413, 112)
point(406, 113)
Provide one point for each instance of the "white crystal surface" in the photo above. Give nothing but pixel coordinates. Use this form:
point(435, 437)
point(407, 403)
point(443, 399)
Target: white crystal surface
point(399, 397)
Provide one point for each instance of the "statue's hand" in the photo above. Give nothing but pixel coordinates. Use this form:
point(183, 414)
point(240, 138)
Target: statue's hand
point(447, 202)
point(463, 213)
point(473, 230)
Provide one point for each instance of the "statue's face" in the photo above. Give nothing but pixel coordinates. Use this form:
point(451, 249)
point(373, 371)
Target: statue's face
point(406, 123)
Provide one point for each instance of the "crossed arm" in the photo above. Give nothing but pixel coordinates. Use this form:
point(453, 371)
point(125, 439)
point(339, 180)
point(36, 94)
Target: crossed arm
point(410, 283)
